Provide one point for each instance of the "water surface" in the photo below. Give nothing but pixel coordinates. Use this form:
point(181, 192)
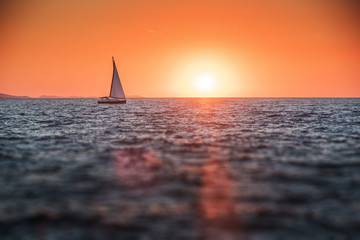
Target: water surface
point(180, 169)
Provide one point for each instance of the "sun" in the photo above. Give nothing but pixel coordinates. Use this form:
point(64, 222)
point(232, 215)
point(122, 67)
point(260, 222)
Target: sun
point(205, 82)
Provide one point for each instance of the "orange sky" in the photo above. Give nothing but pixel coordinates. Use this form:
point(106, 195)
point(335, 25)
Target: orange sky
point(252, 48)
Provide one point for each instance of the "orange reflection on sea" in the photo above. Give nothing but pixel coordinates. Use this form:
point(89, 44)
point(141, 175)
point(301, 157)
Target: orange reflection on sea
point(137, 167)
point(217, 213)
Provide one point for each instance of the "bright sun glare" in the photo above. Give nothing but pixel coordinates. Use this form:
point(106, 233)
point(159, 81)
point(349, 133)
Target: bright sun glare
point(206, 75)
point(205, 82)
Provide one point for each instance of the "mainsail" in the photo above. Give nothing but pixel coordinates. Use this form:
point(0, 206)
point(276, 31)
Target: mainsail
point(116, 90)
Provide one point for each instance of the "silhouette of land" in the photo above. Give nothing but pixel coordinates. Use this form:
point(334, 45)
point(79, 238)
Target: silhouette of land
point(2, 95)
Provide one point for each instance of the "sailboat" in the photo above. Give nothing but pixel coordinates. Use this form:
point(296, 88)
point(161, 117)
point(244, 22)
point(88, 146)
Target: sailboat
point(117, 95)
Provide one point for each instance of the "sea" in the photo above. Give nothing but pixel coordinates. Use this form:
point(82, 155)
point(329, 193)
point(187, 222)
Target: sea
point(181, 168)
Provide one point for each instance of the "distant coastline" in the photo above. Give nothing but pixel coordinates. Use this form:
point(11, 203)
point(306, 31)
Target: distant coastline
point(8, 96)
point(2, 95)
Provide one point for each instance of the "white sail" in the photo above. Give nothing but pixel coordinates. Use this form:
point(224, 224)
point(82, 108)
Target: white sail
point(116, 90)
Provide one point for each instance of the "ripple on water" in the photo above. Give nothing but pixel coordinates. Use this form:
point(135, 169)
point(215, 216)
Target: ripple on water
point(180, 169)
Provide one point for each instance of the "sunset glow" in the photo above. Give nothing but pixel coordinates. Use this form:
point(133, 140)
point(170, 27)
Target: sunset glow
point(250, 48)
point(206, 75)
point(179, 119)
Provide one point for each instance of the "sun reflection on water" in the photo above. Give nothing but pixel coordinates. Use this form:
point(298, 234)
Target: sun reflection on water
point(215, 214)
point(137, 167)
point(216, 203)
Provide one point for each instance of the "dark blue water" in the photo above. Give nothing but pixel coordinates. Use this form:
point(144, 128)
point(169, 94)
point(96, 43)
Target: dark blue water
point(180, 169)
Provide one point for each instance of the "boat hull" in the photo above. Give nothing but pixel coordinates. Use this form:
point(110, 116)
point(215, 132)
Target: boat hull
point(111, 101)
